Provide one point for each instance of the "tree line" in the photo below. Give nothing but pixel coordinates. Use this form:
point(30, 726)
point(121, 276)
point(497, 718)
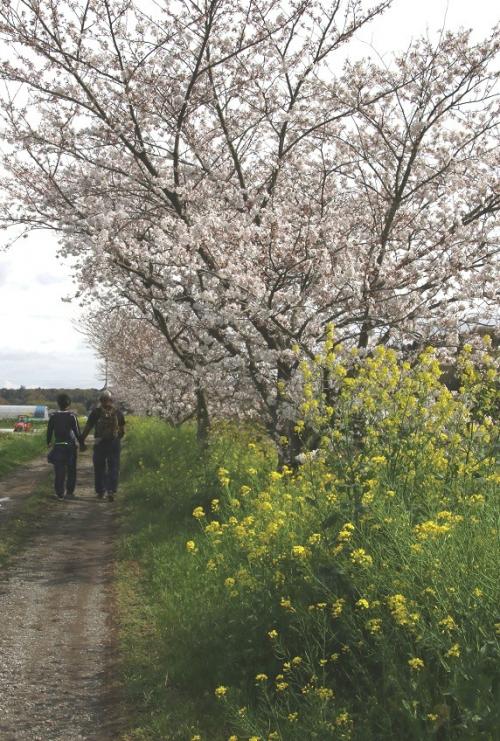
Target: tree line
point(82, 399)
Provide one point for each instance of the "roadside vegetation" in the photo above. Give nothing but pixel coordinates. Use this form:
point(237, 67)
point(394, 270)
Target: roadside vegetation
point(18, 447)
point(353, 598)
point(14, 532)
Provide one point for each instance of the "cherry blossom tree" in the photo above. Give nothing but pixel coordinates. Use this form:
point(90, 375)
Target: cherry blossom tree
point(149, 376)
point(214, 167)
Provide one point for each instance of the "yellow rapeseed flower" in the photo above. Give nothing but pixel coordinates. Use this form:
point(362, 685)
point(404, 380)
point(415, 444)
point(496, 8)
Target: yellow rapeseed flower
point(198, 513)
point(454, 651)
point(261, 677)
point(360, 557)
point(286, 604)
point(325, 693)
point(374, 625)
point(314, 539)
point(345, 532)
point(337, 607)
point(363, 604)
point(416, 664)
point(343, 719)
point(221, 691)
point(447, 623)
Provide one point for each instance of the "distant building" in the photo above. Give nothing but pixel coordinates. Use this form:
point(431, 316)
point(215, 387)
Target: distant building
point(34, 411)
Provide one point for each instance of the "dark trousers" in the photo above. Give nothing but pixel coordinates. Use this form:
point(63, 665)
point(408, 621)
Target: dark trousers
point(64, 459)
point(106, 465)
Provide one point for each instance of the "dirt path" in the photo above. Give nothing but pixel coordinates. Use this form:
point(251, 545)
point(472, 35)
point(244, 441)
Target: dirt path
point(56, 634)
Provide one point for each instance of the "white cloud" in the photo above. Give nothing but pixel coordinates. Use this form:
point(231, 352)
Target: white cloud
point(8, 384)
point(39, 342)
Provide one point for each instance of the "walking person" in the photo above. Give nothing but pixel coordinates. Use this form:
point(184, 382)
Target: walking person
point(64, 428)
point(108, 423)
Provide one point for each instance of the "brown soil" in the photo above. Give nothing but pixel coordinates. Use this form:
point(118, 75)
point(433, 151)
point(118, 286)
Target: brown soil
point(57, 655)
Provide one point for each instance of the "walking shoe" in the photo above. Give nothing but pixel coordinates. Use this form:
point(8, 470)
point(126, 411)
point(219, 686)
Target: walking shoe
point(70, 496)
point(111, 496)
point(100, 496)
point(60, 497)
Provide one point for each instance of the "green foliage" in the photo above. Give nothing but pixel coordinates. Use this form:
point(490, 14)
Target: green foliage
point(354, 598)
point(15, 531)
point(17, 448)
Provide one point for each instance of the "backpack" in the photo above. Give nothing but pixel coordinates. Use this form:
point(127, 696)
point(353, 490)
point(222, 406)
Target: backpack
point(106, 427)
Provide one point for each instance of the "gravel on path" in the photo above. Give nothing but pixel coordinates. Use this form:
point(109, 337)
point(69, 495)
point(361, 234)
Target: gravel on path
point(57, 654)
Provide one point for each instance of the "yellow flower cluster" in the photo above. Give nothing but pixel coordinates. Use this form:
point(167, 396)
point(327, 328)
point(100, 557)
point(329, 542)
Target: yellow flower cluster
point(398, 605)
point(454, 651)
point(360, 557)
point(416, 664)
point(447, 624)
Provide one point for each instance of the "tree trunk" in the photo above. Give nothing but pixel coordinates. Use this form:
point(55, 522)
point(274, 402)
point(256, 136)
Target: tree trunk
point(202, 417)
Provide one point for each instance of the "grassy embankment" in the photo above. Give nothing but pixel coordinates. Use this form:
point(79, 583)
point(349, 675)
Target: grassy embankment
point(356, 598)
point(16, 449)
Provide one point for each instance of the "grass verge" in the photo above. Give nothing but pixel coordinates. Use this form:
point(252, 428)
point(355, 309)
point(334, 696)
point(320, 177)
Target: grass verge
point(18, 448)
point(165, 475)
point(15, 531)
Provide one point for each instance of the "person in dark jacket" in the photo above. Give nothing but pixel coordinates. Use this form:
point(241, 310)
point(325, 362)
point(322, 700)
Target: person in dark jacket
point(108, 424)
point(64, 428)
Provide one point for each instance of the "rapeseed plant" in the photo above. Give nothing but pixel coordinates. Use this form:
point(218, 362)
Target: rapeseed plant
point(359, 588)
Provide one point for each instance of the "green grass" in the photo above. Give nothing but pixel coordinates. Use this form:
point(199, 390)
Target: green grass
point(16, 530)
point(17, 448)
point(167, 475)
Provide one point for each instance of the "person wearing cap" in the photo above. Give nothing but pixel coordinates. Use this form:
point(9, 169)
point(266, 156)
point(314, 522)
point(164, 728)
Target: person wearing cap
point(108, 424)
point(63, 427)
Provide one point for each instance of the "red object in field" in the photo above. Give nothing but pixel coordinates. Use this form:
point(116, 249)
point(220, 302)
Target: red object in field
point(23, 424)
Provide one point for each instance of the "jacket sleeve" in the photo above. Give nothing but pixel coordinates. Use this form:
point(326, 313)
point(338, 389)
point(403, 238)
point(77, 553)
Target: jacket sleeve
point(76, 427)
point(121, 423)
point(89, 424)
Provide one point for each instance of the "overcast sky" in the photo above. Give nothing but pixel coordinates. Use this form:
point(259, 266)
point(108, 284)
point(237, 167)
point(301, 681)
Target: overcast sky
point(39, 342)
